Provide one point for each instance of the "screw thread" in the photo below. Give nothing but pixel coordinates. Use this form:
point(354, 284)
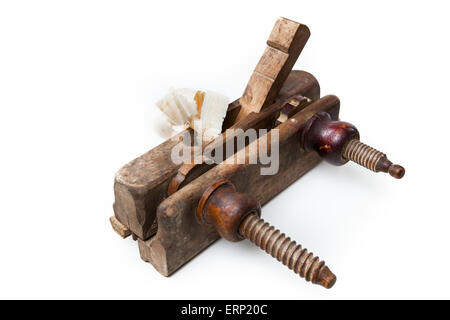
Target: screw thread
point(363, 154)
point(291, 254)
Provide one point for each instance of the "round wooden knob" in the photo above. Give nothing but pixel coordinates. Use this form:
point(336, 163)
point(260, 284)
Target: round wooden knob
point(328, 138)
point(225, 208)
point(338, 142)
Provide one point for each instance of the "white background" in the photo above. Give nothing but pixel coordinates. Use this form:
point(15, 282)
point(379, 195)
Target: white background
point(78, 82)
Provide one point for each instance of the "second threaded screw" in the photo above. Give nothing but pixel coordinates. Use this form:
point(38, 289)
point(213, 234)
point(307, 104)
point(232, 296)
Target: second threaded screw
point(288, 252)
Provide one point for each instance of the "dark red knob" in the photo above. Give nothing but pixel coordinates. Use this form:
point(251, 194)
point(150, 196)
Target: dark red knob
point(338, 142)
point(328, 138)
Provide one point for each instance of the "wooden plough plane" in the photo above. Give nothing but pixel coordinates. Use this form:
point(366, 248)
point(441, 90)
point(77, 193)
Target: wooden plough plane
point(175, 211)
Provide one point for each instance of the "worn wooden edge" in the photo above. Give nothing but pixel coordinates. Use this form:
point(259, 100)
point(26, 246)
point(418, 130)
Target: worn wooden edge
point(119, 227)
point(180, 238)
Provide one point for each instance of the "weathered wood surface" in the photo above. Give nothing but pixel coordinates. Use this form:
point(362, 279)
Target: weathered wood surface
point(142, 184)
point(266, 119)
point(180, 237)
point(285, 43)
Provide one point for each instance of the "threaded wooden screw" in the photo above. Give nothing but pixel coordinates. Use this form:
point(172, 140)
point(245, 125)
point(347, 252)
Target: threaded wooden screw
point(236, 216)
point(288, 252)
point(371, 159)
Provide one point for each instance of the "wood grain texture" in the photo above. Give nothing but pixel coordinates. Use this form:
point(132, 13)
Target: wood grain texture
point(285, 43)
point(266, 119)
point(180, 237)
point(142, 184)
